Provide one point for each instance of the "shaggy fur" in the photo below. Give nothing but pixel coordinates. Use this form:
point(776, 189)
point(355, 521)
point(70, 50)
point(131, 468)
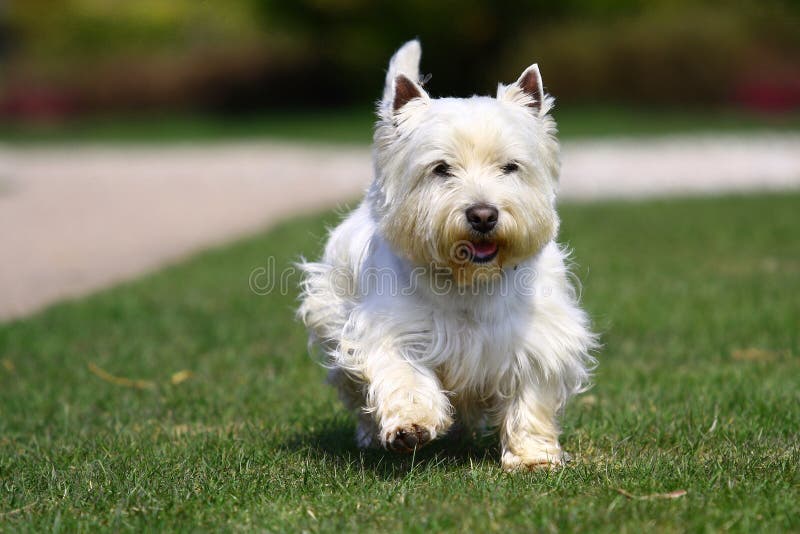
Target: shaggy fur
point(425, 320)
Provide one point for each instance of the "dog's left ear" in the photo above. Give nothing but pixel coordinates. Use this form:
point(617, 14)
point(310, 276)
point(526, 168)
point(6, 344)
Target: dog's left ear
point(527, 91)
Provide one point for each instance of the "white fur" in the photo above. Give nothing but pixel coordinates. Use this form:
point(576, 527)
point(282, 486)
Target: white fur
point(416, 338)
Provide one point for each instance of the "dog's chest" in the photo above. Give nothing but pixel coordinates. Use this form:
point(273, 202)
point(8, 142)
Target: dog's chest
point(477, 349)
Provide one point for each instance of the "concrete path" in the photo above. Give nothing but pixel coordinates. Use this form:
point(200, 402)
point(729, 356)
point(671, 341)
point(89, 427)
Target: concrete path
point(74, 219)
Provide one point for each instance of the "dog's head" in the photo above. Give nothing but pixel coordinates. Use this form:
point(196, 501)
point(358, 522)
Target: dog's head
point(466, 184)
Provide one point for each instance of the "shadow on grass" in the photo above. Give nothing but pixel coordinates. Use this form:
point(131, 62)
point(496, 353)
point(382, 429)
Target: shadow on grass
point(333, 441)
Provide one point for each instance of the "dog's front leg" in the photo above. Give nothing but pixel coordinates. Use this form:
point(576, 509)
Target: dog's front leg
point(529, 430)
point(406, 401)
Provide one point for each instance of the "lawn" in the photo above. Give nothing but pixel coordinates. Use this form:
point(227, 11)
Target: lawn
point(355, 125)
point(185, 401)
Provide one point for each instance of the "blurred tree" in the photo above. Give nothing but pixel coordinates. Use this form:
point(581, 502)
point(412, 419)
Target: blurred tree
point(353, 39)
point(666, 53)
point(239, 55)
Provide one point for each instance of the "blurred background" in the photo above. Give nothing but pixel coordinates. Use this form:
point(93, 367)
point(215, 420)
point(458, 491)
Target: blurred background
point(66, 59)
point(135, 132)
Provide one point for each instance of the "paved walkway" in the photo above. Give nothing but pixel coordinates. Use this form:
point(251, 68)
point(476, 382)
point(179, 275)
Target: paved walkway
point(74, 219)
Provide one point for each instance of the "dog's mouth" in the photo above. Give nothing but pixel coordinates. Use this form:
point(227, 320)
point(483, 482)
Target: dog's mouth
point(483, 251)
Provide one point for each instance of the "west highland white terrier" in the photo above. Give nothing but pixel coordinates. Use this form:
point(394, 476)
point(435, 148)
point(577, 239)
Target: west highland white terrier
point(444, 298)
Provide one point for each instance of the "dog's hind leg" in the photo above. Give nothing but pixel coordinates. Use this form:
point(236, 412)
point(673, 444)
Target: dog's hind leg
point(352, 393)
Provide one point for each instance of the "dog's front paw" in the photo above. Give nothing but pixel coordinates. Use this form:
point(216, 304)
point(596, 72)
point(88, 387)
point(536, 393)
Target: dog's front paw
point(407, 438)
point(532, 462)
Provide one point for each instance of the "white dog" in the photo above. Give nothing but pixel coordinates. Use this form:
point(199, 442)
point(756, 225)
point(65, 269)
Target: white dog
point(443, 297)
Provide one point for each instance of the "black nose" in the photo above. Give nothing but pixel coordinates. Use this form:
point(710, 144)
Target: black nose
point(482, 217)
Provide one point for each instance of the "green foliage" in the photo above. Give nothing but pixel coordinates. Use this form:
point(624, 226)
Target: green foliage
point(690, 51)
point(696, 391)
point(87, 30)
point(355, 126)
point(271, 53)
point(684, 53)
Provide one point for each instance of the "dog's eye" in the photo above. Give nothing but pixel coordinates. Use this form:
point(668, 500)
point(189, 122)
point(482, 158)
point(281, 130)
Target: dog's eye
point(508, 168)
point(442, 169)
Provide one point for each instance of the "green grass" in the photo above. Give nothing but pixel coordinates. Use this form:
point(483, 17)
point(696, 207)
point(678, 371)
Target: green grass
point(697, 390)
point(354, 126)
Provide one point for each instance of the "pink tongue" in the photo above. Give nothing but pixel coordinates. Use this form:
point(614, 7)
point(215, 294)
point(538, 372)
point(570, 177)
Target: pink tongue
point(484, 249)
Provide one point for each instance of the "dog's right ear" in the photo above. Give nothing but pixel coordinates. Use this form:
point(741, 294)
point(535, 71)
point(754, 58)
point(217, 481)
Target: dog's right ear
point(404, 91)
point(402, 79)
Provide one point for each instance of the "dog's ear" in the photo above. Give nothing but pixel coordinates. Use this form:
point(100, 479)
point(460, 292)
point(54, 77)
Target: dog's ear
point(531, 84)
point(404, 91)
point(401, 79)
point(527, 90)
